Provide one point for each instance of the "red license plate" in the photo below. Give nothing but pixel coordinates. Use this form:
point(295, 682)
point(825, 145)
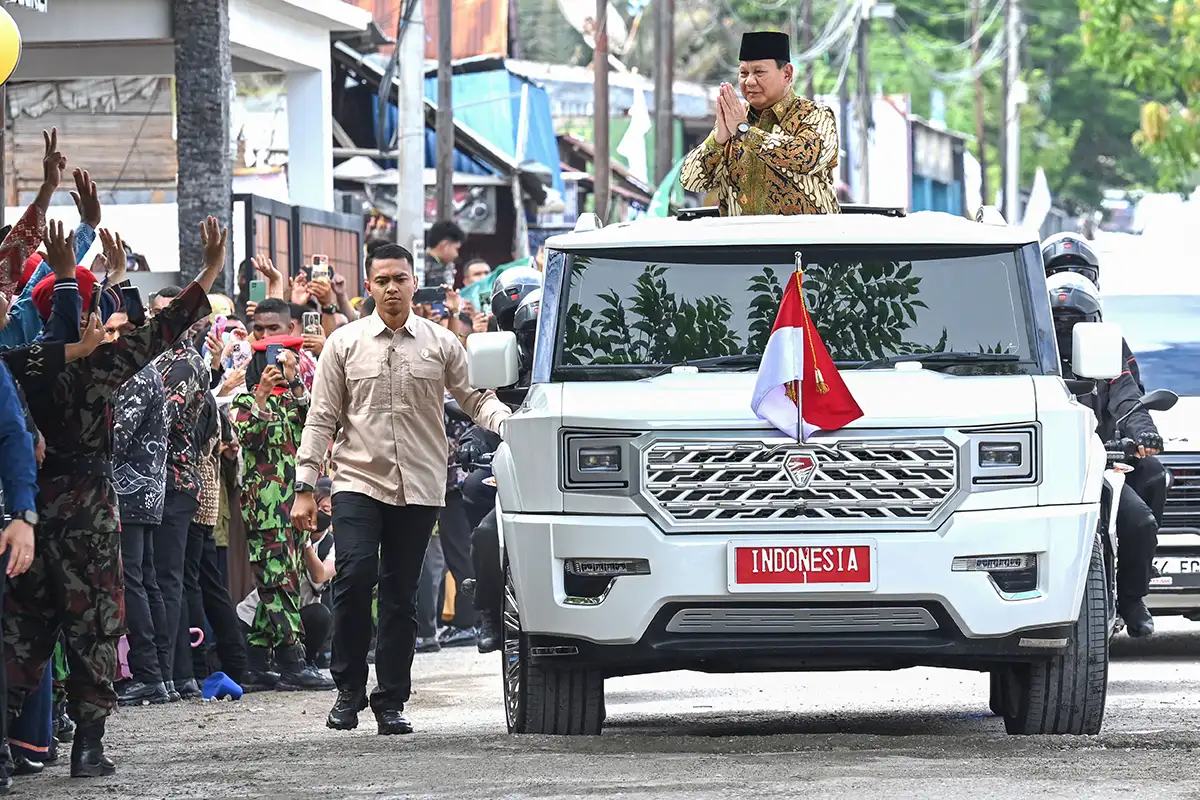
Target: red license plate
point(818, 564)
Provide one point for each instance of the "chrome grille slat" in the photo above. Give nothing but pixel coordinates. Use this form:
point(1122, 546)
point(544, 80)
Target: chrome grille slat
point(693, 482)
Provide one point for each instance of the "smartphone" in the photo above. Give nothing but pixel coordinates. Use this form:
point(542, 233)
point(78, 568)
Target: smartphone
point(219, 325)
point(312, 322)
point(94, 307)
point(320, 268)
point(430, 295)
point(131, 302)
point(274, 351)
point(258, 291)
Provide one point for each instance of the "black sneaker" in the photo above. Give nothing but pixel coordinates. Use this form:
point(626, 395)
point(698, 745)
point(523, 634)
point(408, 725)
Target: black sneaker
point(1138, 620)
point(344, 714)
point(190, 690)
point(392, 723)
point(428, 645)
point(138, 693)
point(457, 637)
point(491, 638)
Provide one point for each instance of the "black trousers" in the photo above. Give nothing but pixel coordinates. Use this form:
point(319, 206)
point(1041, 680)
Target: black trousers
point(317, 620)
point(145, 614)
point(170, 554)
point(479, 504)
point(1138, 516)
point(379, 544)
point(208, 599)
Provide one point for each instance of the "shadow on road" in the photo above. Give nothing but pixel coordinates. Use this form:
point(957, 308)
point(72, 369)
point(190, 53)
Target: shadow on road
point(1172, 645)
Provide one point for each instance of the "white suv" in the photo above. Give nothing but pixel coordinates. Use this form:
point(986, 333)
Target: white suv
point(650, 522)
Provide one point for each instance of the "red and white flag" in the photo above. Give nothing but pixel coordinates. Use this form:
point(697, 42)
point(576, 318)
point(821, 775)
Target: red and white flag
point(799, 390)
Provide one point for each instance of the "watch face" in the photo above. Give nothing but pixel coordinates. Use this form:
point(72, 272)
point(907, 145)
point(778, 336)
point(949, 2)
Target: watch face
point(743, 128)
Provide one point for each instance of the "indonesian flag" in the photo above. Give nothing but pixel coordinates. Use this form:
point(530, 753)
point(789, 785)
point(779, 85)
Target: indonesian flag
point(799, 390)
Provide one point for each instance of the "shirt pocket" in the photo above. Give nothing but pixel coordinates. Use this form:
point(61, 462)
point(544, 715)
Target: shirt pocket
point(363, 386)
point(427, 382)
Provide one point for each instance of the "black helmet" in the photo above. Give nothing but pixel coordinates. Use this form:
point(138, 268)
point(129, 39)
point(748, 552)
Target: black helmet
point(1073, 299)
point(526, 317)
point(1070, 252)
point(509, 289)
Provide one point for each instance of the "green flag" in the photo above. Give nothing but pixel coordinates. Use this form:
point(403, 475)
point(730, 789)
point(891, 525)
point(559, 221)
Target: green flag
point(660, 203)
point(480, 293)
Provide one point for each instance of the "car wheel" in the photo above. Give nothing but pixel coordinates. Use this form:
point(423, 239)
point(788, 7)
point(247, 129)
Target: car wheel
point(1066, 694)
point(537, 699)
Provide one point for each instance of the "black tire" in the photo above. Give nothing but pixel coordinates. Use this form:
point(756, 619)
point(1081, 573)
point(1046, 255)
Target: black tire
point(563, 701)
point(996, 692)
point(1066, 694)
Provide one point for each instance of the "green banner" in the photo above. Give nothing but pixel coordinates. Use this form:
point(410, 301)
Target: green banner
point(480, 293)
point(660, 203)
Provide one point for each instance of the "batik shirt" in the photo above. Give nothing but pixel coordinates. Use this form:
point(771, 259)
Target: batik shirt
point(784, 165)
point(74, 411)
point(185, 378)
point(269, 442)
point(139, 453)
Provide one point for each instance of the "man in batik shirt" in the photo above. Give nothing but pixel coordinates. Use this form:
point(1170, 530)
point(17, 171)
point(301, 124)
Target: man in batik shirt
point(774, 154)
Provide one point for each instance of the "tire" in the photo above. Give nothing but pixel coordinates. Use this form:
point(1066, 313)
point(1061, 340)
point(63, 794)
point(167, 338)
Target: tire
point(1066, 694)
point(996, 692)
point(561, 701)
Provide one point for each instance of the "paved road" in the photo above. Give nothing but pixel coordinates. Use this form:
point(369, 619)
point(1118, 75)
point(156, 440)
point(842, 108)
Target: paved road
point(910, 734)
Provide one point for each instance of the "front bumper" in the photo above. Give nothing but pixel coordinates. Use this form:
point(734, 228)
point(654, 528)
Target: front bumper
point(689, 573)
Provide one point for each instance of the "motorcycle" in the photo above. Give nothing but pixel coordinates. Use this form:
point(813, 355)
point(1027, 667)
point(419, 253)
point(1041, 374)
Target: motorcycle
point(1121, 453)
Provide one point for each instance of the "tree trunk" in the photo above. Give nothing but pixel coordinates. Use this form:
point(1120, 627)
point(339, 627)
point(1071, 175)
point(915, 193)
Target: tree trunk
point(203, 88)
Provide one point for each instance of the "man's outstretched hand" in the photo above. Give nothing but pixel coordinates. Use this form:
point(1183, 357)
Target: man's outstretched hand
point(214, 238)
point(60, 251)
point(87, 198)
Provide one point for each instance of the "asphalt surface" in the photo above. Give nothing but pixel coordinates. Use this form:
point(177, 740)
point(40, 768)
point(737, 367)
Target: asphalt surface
point(920, 733)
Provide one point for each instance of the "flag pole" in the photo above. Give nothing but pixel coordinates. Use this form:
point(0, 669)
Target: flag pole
point(799, 369)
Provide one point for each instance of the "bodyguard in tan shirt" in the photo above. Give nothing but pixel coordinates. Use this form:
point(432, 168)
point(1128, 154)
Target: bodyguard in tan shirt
point(380, 386)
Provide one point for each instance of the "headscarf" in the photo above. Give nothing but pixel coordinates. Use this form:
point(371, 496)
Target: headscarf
point(258, 361)
point(43, 294)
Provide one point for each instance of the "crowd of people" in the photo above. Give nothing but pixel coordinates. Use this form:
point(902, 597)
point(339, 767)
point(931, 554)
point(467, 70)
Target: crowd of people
point(134, 434)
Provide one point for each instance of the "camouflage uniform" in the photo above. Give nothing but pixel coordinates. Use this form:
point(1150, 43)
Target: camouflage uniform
point(75, 584)
point(269, 443)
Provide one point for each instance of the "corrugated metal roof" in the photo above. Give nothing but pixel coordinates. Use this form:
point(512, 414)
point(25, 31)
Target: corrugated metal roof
point(480, 26)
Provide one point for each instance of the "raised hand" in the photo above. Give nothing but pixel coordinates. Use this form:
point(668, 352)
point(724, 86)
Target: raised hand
point(54, 163)
point(60, 250)
point(114, 254)
point(93, 333)
point(214, 238)
point(300, 293)
point(271, 274)
point(86, 197)
point(271, 376)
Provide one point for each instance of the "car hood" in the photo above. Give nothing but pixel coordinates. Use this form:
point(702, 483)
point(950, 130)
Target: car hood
point(888, 398)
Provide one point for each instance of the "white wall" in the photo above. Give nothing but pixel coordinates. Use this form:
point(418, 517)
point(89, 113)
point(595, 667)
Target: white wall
point(890, 171)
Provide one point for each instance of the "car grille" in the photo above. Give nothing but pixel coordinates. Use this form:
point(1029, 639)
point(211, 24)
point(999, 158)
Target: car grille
point(694, 482)
point(1183, 499)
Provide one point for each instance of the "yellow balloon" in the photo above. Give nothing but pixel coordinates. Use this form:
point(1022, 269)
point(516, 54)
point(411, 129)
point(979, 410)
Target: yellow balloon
point(10, 46)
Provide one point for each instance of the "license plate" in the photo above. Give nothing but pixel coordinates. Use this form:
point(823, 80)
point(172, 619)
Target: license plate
point(1184, 565)
point(812, 566)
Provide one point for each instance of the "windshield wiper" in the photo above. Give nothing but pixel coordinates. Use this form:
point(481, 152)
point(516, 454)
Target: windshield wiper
point(736, 360)
point(945, 357)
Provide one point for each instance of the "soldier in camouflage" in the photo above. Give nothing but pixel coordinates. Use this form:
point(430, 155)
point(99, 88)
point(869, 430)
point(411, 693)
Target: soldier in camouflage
point(75, 582)
point(269, 421)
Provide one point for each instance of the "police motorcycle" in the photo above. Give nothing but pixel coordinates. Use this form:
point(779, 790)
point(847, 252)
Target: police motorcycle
point(515, 306)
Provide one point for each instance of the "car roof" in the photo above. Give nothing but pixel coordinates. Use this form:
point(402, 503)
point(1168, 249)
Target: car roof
point(922, 227)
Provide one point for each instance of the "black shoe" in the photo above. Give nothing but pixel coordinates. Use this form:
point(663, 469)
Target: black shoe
point(344, 714)
point(392, 723)
point(23, 766)
point(295, 675)
point(172, 694)
point(87, 754)
point(64, 726)
point(259, 675)
point(1138, 620)
point(490, 638)
point(189, 690)
point(457, 637)
point(138, 693)
point(429, 644)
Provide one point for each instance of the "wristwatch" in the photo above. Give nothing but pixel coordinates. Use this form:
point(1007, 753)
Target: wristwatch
point(329, 309)
point(295, 383)
point(302, 488)
point(28, 516)
point(742, 129)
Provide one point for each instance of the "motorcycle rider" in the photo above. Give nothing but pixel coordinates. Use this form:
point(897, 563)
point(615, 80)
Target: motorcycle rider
point(516, 302)
point(1074, 299)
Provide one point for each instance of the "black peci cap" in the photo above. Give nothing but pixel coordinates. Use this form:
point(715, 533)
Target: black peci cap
point(765, 45)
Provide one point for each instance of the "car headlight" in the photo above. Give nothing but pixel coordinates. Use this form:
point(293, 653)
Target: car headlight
point(596, 462)
point(1003, 456)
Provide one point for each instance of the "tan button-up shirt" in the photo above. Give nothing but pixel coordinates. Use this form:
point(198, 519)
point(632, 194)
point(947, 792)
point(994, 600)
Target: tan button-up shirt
point(383, 392)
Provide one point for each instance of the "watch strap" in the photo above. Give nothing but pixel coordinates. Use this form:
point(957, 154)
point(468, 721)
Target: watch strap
point(301, 487)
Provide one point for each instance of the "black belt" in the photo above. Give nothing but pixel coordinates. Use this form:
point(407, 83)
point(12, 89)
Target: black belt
point(90, 466)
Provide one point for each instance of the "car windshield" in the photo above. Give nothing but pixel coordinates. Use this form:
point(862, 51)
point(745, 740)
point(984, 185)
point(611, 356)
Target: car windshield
point(670, 306)
point(1163, 331)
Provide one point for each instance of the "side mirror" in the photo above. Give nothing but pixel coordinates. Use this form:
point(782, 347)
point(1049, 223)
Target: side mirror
point(492, 359)
point(1159, 400)
point(1096, 350)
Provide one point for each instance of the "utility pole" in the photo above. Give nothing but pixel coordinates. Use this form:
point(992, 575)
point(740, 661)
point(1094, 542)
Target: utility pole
point(444, 191)
point(410, 105)
point(1012, 111)
point(600, 111)
point(664, 88)
point(980, 129)
point(864, 105)
point(809, 86)
point(844, 128)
